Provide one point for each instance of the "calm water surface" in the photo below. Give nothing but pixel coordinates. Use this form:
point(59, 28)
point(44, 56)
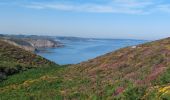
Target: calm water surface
point(78, 51)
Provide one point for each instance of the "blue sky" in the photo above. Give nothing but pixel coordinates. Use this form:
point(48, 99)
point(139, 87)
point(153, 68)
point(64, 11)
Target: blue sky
point(135, 19)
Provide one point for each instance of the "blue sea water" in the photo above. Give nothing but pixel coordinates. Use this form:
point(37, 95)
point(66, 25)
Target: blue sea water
point(82, 50)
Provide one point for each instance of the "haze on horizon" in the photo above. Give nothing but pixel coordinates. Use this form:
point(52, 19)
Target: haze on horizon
point(134, 19)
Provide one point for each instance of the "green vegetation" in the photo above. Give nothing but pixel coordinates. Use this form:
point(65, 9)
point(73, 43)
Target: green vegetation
point(127, 74)
point(14, 60)
point(163, 79)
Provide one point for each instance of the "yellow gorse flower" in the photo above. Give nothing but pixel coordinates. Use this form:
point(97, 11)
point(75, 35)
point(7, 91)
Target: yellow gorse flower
point(164, 89)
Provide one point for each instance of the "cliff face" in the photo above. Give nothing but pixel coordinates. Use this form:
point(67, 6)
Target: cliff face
point(33, 44)
point(25, 47)
point(43, 43)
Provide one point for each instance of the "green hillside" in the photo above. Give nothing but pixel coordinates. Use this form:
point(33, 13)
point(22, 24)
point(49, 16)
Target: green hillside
point(14, 60)
point(132, 73)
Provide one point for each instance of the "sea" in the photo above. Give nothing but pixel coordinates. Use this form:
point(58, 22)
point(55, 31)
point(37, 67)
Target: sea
point(76, 50)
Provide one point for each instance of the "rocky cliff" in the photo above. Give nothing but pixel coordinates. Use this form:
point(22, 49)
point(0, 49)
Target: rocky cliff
point(32, 44)
point(26, 47)
point(43, 43)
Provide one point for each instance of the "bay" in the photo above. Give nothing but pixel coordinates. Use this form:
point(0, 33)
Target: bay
point(76, 51)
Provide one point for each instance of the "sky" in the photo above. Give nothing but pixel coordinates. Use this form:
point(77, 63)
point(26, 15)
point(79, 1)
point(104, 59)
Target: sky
point(129, 19)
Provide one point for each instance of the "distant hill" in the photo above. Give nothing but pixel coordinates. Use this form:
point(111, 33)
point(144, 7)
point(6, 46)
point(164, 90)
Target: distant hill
point(131, 73)
point(65, 38)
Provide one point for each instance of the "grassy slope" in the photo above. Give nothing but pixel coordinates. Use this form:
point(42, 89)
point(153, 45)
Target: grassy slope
point(129, 73)
point(14, 59)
